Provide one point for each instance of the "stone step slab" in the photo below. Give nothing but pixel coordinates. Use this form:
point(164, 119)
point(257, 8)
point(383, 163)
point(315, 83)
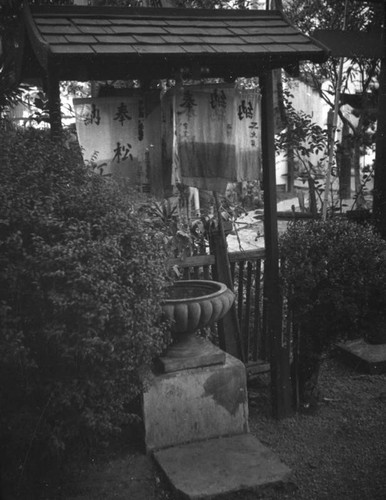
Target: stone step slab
point(217, 467)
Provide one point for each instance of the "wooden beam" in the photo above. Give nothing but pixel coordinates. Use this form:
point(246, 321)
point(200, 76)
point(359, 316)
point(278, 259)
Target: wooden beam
point(279, 346)
point(380, 154)
point(53, 94)
point(228, 328)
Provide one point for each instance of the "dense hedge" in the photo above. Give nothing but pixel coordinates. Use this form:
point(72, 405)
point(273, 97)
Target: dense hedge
point(334, 272)
point(81, 278)
point(334, 277)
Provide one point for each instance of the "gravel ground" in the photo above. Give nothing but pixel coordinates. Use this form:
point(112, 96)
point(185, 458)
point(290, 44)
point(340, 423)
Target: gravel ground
point(339, 452)
point(336, 453)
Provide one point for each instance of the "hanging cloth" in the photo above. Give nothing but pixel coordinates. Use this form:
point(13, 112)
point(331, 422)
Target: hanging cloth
point(121, 135)
point(217, 136)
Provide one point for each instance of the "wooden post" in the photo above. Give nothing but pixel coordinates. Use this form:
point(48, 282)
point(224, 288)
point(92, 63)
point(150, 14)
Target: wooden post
point(53, 94)
point(279, 346)
point(380, 154)
point(229, 328)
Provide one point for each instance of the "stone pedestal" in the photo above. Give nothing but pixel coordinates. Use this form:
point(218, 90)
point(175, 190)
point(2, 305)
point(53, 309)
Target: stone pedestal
point(195, 404)
point(190, 352)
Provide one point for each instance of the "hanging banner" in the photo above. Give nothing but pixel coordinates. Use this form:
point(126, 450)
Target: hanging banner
point(121, 136)
point(217, 137)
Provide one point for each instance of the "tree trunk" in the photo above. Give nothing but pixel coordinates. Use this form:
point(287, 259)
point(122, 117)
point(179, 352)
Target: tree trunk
point(344, 164)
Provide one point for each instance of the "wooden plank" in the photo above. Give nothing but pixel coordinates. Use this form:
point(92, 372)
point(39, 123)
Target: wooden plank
point(197, 49)
point(240, 291)
point(90, 21)
point(59, 30)
point(96, 30)
point(204, 32)
point(106, 39)
point(54, 104)
point(69, 49)
point(257, 327)
point(55, 39)
point(294, 38)
point(139, 30)
point(233, 266)
point(258, 253)
point(176, 39)
point(80, 39)
point(53, 21)
point(379, 209)
point(194, 260)
point(254, 49)
point(237, 49)
point(279, 355)
point(114, 49)
point(228, 327)
point(149, 39)
point(258, 39)
point(248, 309)
point(269, 30)
point(222, 40)
point(159, 49)
point(127, 21)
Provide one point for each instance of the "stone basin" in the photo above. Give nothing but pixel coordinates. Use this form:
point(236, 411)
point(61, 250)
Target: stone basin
point(191, 305)
point(195, 304)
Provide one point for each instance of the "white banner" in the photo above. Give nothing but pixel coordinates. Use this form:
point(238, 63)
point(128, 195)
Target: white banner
point(122, 135)
point(217, 135)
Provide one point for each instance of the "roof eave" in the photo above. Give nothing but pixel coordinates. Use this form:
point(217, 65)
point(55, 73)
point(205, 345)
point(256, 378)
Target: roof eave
point(72, 65)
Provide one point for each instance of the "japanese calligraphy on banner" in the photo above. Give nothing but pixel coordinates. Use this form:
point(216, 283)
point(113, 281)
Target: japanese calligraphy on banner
point(217, 135)
point(121, 134)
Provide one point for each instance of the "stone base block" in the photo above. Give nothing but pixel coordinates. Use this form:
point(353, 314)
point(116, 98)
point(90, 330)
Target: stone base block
point(195, 404)
point(195, 353)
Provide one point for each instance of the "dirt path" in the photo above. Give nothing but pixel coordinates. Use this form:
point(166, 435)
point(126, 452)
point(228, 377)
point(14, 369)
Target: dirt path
point(337, 453)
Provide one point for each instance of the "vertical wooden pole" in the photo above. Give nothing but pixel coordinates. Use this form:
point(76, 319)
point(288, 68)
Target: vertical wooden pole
point(229, 328)
point(380, 155)
point(279, 348)
point(53, 94)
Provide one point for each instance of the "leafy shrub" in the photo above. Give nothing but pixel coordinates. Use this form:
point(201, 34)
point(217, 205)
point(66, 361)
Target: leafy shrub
point(81, 278)
point(333, 274)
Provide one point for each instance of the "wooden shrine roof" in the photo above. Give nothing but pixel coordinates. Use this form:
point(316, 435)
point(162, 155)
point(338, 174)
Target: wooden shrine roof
point(86, 43)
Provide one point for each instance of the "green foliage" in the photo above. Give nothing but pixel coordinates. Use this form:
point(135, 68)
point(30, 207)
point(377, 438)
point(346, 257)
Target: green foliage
point(310, 15)
point(334, 274)
point(81, 279)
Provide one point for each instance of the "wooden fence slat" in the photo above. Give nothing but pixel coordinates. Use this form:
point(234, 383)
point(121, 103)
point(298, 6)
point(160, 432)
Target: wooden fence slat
point(194, 260)
point(246, 271)
point(240, 291)
point(248, 307)
point(233, 266)
point(257, 337)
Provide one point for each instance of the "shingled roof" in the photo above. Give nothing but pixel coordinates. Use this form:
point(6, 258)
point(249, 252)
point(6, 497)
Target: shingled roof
point(85, 43)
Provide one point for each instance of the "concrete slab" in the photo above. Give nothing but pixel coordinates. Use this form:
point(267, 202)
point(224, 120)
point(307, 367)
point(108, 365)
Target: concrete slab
point(369, 358)
point(195, 404)
point(210, 469)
